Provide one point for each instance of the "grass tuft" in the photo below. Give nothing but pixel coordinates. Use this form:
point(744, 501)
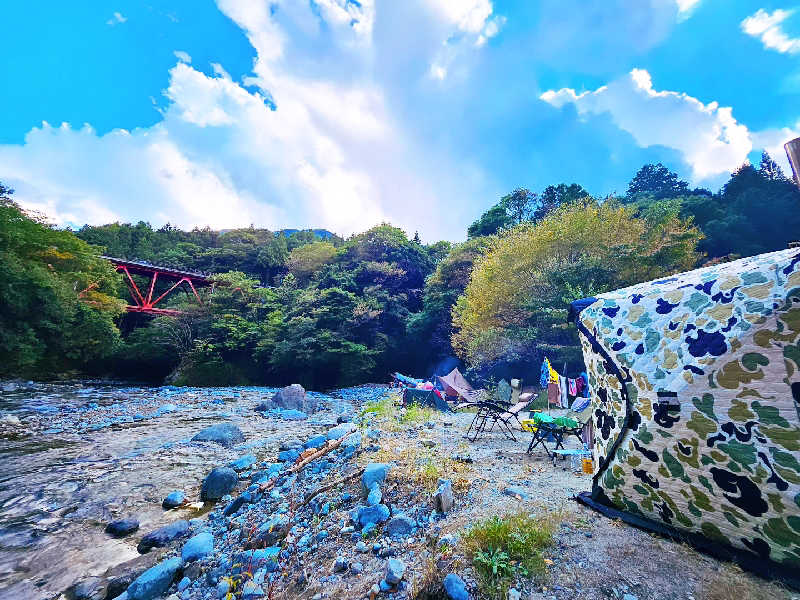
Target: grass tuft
point(417, 414)
point(502, 548)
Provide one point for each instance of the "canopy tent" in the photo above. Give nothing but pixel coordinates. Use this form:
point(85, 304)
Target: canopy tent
point(695, 391)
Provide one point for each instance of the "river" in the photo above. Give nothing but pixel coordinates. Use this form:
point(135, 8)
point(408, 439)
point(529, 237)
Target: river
point(78, 455)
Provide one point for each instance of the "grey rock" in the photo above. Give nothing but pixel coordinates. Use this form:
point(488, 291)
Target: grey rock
point(174, 500)
point(198, 546)
point(395, 570)
point(156, 580)
point(374, 474)
point(218, 483)
point(340, 564)
point(117, 585)
point(224, 434)
point(443, 498)
point(122, 527)
point(455, 588)
point(516, 491)
point(375, 496)
point(400, 526)
point(294, 397)
point(372, 515)
point(340, 431)
point(356, 568)
point(91, 588)
point(163, 536)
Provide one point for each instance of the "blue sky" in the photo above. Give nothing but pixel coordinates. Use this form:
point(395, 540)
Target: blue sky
point(343, 114)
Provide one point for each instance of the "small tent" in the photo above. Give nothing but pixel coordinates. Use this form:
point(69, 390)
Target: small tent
point(454, 384)
point(695, 387)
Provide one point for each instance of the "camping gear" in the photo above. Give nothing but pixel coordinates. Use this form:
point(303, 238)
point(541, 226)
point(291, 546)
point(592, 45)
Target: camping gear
point(576, 456)
point(455, 385)
point(502, 412)
point(695, 382)
point(588, 464)
point(425, 398)
point(405, 380)
point(546, 428)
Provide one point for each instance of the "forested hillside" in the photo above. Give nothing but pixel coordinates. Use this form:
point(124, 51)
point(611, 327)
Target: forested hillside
point(312, 307)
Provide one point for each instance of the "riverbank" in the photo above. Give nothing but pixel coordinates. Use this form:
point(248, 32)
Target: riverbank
point(367, 531)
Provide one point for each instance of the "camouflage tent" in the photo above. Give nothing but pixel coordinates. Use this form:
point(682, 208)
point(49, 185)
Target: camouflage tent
point(695, 384)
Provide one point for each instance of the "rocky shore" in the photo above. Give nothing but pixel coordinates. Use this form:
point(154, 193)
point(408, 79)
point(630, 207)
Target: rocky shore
point(346, 495)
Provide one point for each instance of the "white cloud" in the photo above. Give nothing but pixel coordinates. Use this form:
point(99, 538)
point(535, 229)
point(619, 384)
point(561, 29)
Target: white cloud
point(116, 19)
point(278, 149)
point(183, 56)
point(772, 140)
point(685, 7)
point(767, 27)
point(708, 136)
point(464, 24)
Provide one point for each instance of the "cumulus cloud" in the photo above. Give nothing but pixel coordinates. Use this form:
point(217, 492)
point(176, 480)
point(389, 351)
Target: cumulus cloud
point(182, 56)
point(685, 7)
point(116, 19)
point(767, 27)
point(278, 149)
point(708, 136)
point(466, 24)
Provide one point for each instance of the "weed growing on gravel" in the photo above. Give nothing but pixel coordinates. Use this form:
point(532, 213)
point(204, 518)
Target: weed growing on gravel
point(380, 409)
point(417, 414)
point(502, 548)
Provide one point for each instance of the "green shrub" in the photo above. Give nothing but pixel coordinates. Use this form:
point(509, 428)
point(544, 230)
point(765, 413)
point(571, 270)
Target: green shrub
point(501, 548)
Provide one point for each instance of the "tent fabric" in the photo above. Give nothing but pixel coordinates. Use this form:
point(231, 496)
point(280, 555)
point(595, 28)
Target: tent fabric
point(424, 398)
point(695, 390)
point(455, 385)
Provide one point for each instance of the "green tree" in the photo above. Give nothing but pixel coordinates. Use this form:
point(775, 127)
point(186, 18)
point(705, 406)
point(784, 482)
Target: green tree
point(57, 297)
point(657, 180)
point(514, 307)
point(554, 196)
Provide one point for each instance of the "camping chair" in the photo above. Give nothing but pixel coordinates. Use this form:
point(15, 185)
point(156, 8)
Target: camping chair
point(582, 417)
point(502, 413)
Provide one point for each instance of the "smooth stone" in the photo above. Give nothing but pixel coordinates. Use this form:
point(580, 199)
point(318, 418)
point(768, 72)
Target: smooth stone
point(155, 581)
point(340, 564)
point(184, 583)
point(395, 569)
point(294, 397)
point(251, 590)
point(174, 499)
point(288, 455)
point(234, 505)
point(218, 483)
point(361, 547)
point(122, 527)
point(374, 474)
point(198, 546)
point(224, 434)
point(163, 536)
point(455, 588)
point(356, 568)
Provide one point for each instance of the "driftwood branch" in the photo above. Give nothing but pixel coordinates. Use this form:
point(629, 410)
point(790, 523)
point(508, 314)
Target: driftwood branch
point(330, 486)
point(304, 459)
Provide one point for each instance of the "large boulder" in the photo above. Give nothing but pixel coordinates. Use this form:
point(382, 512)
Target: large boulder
point(163, 536)
point(122, 527)
point(156, 580)
point(455, 588)
point(219, 482)
point(293, 397)
point(224, 434)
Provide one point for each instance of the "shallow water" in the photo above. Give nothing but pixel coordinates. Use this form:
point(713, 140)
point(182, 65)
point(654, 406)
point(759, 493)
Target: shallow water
point(76, 456)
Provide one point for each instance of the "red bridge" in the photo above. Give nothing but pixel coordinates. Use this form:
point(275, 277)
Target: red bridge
point(146, 304)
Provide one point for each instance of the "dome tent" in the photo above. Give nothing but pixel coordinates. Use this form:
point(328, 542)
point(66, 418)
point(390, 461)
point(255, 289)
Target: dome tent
point(695, 385)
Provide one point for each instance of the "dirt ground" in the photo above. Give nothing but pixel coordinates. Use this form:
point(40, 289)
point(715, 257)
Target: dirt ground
point(593, 557)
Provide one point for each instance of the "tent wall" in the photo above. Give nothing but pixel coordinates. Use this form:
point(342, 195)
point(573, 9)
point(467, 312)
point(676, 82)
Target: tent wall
point(695, 389)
